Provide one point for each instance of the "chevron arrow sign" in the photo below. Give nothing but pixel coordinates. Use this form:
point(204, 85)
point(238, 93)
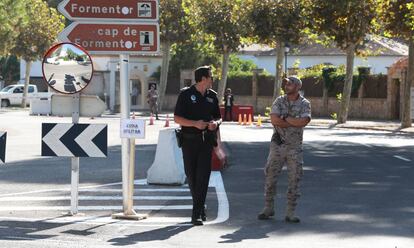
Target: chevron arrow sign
point(74, 140)
point(3, 136)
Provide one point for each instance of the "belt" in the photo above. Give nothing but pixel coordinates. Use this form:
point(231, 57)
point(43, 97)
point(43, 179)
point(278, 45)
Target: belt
point(188, 135)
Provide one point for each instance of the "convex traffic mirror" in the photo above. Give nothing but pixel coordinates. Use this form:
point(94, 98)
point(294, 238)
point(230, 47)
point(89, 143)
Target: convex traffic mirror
point(67, 68)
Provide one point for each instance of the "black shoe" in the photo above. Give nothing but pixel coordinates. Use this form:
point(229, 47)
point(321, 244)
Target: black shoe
point(293, 219)
point(203, 215)
point(196, 221)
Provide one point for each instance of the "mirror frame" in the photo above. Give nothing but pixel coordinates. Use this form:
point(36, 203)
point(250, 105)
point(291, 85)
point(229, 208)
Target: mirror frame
point(52, 49)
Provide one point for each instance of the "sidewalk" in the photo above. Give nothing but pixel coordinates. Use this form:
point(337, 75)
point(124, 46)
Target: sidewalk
point(379, 125)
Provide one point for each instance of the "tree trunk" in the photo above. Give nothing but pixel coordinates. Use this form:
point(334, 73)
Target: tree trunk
point(325, 101)
point(26, 82)
point(346, 94)
point(406, 114)
point(224, 71)
point(165, 47)
point(279, 68)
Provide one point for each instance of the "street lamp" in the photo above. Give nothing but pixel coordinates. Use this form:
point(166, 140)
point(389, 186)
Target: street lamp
point(287, 49)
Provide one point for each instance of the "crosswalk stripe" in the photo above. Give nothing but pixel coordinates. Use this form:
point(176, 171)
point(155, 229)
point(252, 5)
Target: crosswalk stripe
point(93, 208)
point(92, 198)
point(136, 190)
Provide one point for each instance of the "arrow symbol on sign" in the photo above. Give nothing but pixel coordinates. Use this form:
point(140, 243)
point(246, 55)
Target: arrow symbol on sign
point(89, 146)
point(52, 139)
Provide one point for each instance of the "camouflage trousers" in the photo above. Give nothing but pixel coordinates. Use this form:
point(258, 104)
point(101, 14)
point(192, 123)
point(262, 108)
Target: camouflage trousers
point(279, 155)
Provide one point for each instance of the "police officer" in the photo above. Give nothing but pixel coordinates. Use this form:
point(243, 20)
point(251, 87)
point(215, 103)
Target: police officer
point(197, 111)
point(290, 113)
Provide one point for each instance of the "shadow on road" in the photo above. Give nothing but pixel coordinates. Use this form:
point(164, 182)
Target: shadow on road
point(154, 235)
point(347, 190)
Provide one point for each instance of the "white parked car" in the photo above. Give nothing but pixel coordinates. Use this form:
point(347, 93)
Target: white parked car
point(13, 94)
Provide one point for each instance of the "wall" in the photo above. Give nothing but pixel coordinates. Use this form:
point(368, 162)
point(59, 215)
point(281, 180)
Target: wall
point(368, 108)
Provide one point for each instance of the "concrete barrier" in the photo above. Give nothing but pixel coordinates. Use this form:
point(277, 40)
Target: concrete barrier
point(40, 106)
point(168, 165)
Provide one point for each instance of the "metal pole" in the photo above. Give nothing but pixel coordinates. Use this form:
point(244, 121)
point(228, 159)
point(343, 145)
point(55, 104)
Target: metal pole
point(131, 176)
point(126, 150)
point(75, 161)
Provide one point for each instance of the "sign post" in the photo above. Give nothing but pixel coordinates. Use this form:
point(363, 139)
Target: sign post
point(75, 162)
point(122, 27)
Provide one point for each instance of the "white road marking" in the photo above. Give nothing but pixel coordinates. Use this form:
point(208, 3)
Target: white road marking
point(216, 181)
point(91, 198)
point(402, 158)
point(223, 203)
point(93, 208)
point(136, 190)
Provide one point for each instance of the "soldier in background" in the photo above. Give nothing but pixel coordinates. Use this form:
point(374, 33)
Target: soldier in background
point(152, 100)
point(290, 113)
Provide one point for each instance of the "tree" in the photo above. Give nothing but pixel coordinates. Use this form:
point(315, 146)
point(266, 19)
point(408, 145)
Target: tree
point(37, 35)
point(9, 69)
point(173, 29)
point(221, 22)
point(397, 17)
point(277, 23)
point(346, 22)
point(11, 18)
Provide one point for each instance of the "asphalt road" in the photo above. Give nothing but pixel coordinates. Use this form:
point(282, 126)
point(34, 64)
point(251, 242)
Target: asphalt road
point(68, 77)
point(357, 191)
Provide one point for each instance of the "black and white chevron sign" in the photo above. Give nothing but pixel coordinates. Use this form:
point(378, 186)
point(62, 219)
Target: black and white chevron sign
point(3, 137)
point(74, 140)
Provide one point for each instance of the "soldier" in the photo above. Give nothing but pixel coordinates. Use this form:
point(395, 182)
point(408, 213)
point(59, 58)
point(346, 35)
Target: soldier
point(289, 115)
point(198, 113)
point(152, 100)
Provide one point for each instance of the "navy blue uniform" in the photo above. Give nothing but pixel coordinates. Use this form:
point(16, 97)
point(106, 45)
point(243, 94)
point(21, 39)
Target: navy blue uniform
point(197, 144)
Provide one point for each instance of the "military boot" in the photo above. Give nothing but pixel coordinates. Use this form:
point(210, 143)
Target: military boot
point(290, 215)
point(268, 211)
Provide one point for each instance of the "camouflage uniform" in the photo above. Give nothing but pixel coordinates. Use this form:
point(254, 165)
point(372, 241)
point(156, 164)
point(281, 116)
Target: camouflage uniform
point(286, 146)
point(153, 101)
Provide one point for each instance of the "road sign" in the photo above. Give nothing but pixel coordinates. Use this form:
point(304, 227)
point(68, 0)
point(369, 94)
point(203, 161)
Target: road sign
point(132, 128)
point(3, 137)
point(114, 38)
point(74, 140)
point(108, 10)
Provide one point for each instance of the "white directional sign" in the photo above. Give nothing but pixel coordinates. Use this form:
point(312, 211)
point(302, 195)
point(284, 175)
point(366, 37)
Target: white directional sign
point(109, 10)
point(74, 140)
point(133, 128)
point(3, 136)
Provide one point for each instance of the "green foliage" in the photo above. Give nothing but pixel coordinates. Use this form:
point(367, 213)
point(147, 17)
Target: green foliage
point(276, 21)
point(344, 21)
point(10, 69)
point(191, 55)
point(37, 35)
point(339, 97)
point(12, 16)
point(397, 16)
point(221, 21)
point(238, 64)
point(174, 26)
point(334, 116)
point(267, 111)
